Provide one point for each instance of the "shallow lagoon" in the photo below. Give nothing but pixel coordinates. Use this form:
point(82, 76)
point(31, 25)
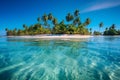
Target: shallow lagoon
point(95, 58)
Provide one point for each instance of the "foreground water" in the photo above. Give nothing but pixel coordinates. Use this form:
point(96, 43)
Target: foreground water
point(96, 58)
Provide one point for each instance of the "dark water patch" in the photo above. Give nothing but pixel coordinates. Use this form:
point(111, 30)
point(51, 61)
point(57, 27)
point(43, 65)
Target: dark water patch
point(62, 74)
point(8, 74)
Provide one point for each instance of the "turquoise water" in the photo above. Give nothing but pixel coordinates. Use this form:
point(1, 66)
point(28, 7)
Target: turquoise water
point(96, 58)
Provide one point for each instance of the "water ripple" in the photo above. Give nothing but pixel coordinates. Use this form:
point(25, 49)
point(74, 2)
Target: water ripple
point(99, 59)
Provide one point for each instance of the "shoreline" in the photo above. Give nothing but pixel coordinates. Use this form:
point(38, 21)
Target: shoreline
point(54, 36)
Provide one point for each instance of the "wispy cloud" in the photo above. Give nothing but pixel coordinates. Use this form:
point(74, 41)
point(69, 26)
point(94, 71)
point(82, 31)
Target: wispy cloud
point(99, 6)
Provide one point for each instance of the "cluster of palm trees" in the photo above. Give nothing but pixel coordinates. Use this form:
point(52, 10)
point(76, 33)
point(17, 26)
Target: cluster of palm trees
point(108, 30)
point(111, 30)
point(47, 24)
point(99, 32)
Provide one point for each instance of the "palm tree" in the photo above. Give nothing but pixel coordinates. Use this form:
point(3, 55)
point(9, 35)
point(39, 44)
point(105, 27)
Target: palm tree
point(25, 29)
point(106, 29)
point(24, 26)
point(76, 21)
point(113, 26)
point(54, 21)
point(90, 30)
point(45, 18)
point(76, 13)
point(87, 22)
point(50, 17)
point(6, 29)
point(69, 17)
point(38, 19)
point(101, 25)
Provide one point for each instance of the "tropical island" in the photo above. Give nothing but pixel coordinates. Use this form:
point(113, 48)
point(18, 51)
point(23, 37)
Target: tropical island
point(48, 24)
point(59, 40)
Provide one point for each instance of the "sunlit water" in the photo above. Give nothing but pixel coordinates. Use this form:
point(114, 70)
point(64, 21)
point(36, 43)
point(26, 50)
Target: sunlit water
point(96, 58)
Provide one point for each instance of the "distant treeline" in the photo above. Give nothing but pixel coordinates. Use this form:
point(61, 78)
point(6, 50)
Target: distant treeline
point(109, 31)
point(48, 24)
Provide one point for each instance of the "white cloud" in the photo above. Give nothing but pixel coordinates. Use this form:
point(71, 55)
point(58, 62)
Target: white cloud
point(100, 6)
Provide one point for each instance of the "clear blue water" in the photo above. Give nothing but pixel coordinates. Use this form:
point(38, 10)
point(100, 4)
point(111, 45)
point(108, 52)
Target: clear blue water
point(96, 58)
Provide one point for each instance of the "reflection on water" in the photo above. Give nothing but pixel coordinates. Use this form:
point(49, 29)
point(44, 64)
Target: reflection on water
point(97, 58)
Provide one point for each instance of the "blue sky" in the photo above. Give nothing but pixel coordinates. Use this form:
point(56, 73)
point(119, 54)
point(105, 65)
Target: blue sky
point(15, 13)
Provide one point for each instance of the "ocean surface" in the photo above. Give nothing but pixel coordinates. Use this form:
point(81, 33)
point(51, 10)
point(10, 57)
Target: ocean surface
point(95, 58)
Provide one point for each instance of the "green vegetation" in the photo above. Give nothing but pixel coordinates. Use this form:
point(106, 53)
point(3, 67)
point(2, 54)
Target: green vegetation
point(48, 24)
point(97, 33)
point(108, 31)
point(111, 31)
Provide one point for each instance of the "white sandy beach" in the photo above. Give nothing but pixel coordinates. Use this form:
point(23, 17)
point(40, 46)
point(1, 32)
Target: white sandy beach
point(55, 36)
